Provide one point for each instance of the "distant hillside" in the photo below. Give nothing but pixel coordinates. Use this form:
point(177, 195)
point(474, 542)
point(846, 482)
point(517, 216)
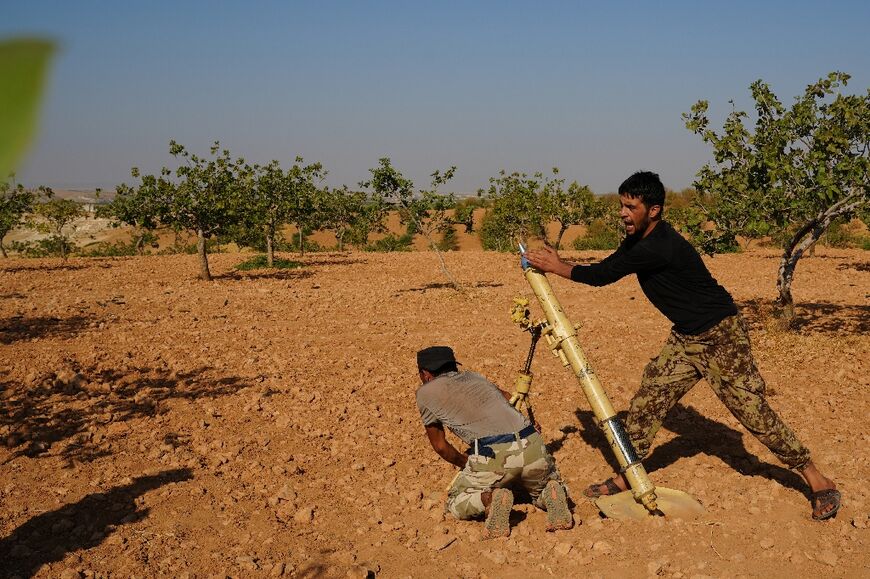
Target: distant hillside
point(85, 195)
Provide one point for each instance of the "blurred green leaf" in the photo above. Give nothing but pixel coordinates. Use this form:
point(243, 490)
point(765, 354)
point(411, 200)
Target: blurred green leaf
point(23, 67)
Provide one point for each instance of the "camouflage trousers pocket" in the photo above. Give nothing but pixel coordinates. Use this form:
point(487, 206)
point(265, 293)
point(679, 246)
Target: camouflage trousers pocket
point(464, 497)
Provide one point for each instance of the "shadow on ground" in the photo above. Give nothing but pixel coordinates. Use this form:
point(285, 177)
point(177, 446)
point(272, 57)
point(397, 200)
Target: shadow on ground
point(448, 285)
point(859, 266)
point(812, 317)
point(67, 410)
point(19, 328)
point(21, 267)
point(696, 434)
point(48, 537)
point(279, 274)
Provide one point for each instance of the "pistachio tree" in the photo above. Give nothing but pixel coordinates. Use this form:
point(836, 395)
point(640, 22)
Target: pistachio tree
point(352, 215)
point(57, 218)
point(424, 211)
point(206, 200)
point(138, 206)
point(800, 168)
point(521, 207)
point(15, 203)
point(575, 206)
point(305, 199)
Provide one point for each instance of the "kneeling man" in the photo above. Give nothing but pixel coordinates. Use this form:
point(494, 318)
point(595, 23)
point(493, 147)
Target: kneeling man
point(505, 450)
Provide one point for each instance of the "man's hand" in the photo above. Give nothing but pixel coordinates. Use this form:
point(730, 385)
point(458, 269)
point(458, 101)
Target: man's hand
point(547, 260)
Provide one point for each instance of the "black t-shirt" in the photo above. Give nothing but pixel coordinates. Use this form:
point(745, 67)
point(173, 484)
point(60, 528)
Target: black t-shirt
point(671, 274)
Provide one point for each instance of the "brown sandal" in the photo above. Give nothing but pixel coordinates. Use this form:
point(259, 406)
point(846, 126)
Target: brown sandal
point(593, 491)
point(822, 499)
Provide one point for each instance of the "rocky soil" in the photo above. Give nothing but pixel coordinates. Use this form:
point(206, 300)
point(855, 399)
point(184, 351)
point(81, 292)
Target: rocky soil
point(264, 424)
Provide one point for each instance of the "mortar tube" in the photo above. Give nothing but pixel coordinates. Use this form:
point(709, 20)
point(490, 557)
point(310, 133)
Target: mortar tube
point(565, 342)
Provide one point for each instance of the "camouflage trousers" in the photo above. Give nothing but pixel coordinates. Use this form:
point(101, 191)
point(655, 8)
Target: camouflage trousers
point(723, 356)
point(524, 462)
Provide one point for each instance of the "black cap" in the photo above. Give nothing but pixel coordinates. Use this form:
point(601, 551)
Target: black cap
point(434, 357)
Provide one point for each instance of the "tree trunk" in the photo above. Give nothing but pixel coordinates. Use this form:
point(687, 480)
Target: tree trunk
point(444, 268)
point(270, 247)
point(801, 241)
point(204, 273)
point(301, 240)
point(562, 230)
point(140, 244)
point(3, 249)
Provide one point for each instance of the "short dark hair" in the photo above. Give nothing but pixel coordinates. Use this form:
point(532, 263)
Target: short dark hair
point(448, 367)
point(646, 186)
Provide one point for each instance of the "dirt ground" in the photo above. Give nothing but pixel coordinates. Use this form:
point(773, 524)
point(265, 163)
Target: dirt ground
point(264, 424)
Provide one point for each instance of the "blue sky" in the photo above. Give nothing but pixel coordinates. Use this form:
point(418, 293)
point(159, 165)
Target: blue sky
point(596, 90)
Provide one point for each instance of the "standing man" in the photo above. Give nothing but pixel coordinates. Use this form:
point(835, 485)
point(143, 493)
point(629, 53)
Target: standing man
point(708, 339)
point(504, 448)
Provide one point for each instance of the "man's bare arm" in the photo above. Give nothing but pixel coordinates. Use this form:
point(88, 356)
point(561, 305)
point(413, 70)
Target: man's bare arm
point(445, 450)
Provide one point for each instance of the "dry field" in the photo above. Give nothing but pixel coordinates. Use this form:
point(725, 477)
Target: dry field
point(264, 424)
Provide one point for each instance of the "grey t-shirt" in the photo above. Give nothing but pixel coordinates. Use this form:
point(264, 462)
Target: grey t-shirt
point(469, 405)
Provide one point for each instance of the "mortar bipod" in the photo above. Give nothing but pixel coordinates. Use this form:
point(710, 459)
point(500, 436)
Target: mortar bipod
point(520, 397)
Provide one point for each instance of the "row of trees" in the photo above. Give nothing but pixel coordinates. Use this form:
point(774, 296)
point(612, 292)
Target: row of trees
point(250, 204)
point(792, 175)
point(39, 210)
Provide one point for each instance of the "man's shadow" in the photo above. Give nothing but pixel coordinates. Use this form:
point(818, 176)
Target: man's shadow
point(48, 537)
point(696, 434)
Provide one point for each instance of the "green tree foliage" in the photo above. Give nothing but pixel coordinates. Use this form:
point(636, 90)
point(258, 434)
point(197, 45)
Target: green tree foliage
point(306, 199)
point(57, 217)
point(15, 203)
point(606, 230)
point(273, 198)
point(352, 215)
point(575, 206)
point(463, 212)
point(685, 210)
point(448, 240)
point(521, 207)
point(138, 207)
point(392, 242)
point(426, 211)
point(801, 167)
point(207, 200)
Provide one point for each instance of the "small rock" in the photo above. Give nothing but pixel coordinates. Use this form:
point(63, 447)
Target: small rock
point(413, 497)
point(602, 547)
point(828, 558)
point(246, 562)
point(286, 493)
point(562, 549)
point(70, 574)
point(344, 558)
point(767, 543)
point(277, 569)
point(497, 557)
point(304, 515)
